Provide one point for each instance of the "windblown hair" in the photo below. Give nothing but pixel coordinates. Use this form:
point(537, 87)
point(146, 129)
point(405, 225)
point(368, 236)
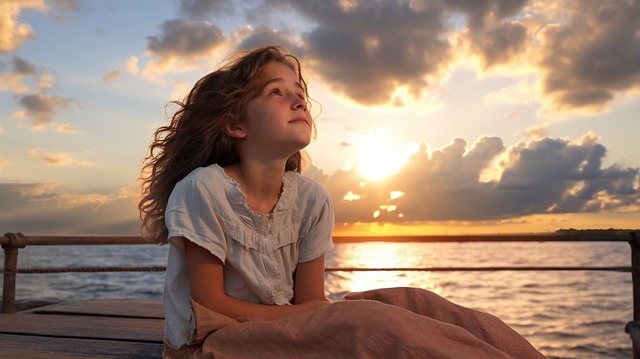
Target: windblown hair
point(196, 137)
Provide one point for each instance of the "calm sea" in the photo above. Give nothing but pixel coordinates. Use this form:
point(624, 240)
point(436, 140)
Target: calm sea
point(565, 314)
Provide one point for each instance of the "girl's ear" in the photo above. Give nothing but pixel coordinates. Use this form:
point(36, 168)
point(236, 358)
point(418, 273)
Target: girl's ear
point(235, 130)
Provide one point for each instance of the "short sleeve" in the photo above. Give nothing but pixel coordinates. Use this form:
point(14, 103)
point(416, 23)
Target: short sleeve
point(190, 214)
point(318, 241)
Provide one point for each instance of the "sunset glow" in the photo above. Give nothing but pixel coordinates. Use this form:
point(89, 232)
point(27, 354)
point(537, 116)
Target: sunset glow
point(430, 119)
point(378, 159)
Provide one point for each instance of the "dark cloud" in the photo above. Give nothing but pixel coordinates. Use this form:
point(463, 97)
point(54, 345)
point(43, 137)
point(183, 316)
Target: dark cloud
point(184, 38)
point(23, 67)
point(490, 32)
point(41, 108)
point(202, 9)
point(182, 45)
point(544, 176)
point(593, 55)
point(585, 51)
point(18, 74)
point(264, 35)
point(478, 12)
point(498, 43)
point(367, 51)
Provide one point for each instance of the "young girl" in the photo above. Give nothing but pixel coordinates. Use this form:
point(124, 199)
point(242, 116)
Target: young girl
point(248, 235)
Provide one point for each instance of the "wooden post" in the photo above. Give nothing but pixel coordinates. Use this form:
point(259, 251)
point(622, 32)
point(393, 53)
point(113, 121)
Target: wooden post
point(635, 277)
point(16, 241)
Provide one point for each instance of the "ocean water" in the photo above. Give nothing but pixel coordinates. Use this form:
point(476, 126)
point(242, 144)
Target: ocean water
point(565, 314)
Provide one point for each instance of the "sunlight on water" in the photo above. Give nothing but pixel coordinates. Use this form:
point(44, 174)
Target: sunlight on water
point(375, 255)
point(577, 314)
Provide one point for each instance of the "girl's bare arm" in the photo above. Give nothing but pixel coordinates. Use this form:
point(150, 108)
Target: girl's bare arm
point(207, 288)
point(309, 281)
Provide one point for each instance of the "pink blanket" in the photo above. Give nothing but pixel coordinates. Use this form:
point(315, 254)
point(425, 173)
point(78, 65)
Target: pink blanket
point(383, 323)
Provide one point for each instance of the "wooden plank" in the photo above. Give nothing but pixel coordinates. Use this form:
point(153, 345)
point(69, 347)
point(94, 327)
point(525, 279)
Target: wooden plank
point(74, 326)
point(132, 308)
point(32, 347)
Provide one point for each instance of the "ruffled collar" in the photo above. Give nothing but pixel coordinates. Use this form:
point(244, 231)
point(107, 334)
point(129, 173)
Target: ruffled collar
point(237, 196)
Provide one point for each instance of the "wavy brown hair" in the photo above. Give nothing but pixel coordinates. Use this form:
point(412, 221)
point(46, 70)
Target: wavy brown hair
point(196, 137)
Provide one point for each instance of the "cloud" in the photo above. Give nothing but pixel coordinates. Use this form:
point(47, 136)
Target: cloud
point(250, 38)
point(449, 184)
point(23, 76)
point(41, 108)
point(559, 176)
point(536, 132)
point(56, 158)
point(592, 56)
point(572, 57)
point(12, 32)
point(201, 9)
point(132, 65)
point(47, 208)
point(577, 56)
point(182, 44)
point(111, 76)
point(490, 34)
point(370, 50)
point(66, 128)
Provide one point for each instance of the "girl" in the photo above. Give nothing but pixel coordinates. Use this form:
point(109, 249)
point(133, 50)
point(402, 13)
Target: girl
point(247, 233)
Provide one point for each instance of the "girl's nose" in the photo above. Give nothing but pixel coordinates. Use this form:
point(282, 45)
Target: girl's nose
point(299, 103)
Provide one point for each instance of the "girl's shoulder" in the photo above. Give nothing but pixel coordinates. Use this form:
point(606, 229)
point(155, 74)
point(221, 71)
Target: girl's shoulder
point(205, 174)
point(307, 187)
point(209, 179)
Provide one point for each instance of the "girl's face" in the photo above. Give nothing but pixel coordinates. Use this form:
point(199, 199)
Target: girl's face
point(278, 119)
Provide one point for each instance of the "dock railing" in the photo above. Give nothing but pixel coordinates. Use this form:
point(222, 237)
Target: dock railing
point(13, 242)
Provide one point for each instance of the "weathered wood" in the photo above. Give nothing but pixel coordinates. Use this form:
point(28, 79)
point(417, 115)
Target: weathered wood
point(103, 328)
point(127, 308)
point(33, 347)
point(80, 326)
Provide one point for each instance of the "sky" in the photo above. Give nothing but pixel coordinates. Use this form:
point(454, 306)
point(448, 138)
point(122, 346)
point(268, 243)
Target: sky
point(433, 116)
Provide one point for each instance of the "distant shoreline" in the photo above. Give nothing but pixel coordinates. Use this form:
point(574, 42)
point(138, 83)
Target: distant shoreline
point(558, 236)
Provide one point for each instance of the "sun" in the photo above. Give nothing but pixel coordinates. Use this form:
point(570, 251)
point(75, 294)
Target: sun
point(378, 159)
point(376, 164)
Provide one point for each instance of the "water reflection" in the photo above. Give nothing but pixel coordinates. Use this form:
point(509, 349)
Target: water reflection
point(372, 255)
point(578, 314)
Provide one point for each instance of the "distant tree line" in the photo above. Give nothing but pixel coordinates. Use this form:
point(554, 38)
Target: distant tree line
point(596, 231)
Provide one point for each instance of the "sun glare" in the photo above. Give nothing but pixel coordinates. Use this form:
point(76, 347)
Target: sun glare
point(373, 255)
point(378, 159)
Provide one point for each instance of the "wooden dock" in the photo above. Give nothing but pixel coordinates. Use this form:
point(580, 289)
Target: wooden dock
point(102, 328)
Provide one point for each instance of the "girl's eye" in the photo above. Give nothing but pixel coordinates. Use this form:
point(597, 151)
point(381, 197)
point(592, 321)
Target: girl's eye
point(275, 91)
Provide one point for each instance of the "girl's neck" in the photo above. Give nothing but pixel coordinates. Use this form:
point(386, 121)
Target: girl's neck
point(260, 182)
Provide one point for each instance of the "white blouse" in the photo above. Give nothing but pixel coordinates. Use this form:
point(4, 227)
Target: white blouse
point(259, 252)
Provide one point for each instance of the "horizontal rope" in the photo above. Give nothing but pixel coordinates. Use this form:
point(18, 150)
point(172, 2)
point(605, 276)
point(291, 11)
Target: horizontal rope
point(481, 269)
point(344, 269)
point(91, 269)
point(19, 240)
